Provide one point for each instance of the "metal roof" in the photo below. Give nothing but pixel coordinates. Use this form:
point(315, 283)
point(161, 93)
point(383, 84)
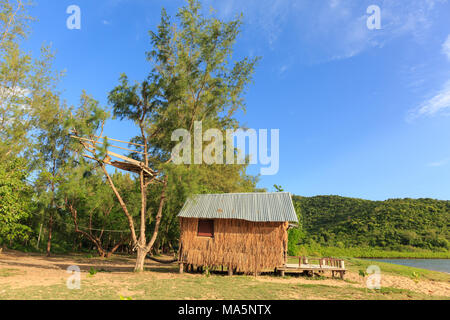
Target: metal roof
point(256, 207)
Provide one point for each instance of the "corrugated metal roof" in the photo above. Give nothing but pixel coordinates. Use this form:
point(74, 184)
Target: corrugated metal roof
point(256, 207)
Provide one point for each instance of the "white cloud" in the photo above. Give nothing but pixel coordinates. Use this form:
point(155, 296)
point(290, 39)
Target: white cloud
point(439, 103)
point(283, 69)
point(106, 22)
point(334, 29)
point(446, 47)
point(438, 163)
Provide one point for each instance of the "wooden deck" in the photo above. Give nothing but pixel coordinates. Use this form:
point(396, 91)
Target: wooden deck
point(304, 265)
point(335, 266)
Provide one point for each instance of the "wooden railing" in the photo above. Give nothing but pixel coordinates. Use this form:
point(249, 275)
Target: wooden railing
point(331, 262)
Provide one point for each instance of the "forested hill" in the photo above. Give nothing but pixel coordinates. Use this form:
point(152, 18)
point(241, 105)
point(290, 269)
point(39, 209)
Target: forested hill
point(340, 221)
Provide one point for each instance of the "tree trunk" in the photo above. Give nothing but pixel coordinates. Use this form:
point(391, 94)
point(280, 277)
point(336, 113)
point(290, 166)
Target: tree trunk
point(115, 248)
point(140, 260)
point(39, 238)
point(158, 216)
point(122, 204)
point(50, 226)
point(102, 252)
point(49, 242)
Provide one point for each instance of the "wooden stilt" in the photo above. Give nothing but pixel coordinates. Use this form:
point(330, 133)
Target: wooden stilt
point(230, 271)
point(181, 268)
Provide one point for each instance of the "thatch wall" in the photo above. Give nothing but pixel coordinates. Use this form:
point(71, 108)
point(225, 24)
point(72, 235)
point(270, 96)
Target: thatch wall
point(245, 246)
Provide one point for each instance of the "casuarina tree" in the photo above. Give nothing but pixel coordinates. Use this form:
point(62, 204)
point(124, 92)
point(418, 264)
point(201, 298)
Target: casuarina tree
point(193, 78)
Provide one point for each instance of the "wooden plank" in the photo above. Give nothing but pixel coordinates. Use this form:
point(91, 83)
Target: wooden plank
point(148, 171)
point(91, 146)
point(111, 145)
point(119, 156)
point(310, 269)
point(117, 140)
point(92, 158)
point(127, 142)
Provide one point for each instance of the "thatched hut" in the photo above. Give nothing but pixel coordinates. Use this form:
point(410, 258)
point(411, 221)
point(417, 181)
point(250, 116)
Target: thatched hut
point(245, 232)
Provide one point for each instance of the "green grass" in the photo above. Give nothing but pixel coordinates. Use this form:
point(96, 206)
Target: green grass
point(163, 282)
point(10, 272)
point(147, 286)
point(355, 265)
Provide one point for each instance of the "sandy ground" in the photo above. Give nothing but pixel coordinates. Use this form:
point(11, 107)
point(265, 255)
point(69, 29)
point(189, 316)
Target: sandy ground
point(433, 288)
point(33, 269)
point(28, 269)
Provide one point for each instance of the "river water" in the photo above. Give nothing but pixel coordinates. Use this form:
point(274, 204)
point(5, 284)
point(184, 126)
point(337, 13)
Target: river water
point(442, 265)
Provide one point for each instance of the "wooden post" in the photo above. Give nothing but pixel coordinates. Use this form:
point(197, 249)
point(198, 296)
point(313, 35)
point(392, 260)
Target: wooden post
point(282, 273)
point(181, 268)
point(39, 237)
point(230, 271)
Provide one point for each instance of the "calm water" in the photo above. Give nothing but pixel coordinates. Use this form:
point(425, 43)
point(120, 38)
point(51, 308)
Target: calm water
point(442, 265)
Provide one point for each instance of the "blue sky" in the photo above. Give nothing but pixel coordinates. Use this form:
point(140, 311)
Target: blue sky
point(362, 113)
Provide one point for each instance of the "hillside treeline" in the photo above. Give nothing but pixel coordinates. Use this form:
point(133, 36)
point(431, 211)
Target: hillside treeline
point(391, 224)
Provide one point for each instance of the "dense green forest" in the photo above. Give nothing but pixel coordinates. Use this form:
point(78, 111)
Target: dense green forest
point(394, 224)
point(53, 199)
point(59, 191)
